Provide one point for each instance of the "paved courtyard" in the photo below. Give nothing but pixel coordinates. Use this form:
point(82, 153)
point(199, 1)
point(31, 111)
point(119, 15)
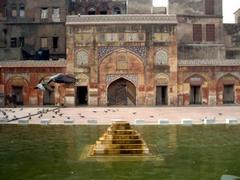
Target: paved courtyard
point(105, 115)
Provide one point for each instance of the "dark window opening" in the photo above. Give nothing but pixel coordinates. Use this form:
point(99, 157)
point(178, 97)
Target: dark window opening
point(14, 10)
point(81, 95)
point(17, 95)
point(161, 95)
point(195, 95)
point(197, 32)
point(4, 11)
point(21, 42)
point(209, 7)
point(92, 11)
point(48, 97)
point(14, 42)
point(22, 10)
point(117, 10)
point(103, 12)
point(228, 94)
point(232, 54)
point(44, 42)
point(44, 13)
point(55, 42)
point(210, 32)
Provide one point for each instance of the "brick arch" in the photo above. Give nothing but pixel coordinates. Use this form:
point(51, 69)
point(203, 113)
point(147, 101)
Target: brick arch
point(109, 72)
point(228, 75)
point(228, 79)
point(187, 80)
point(197, 80)
point(18, 81)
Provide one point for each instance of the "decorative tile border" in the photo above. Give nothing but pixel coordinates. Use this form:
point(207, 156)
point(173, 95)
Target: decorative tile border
point(138, 50)
point(130, 77)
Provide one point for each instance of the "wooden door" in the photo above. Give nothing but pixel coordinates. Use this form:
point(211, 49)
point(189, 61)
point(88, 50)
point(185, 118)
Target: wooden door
point(121, 92)
point(161, 95)
point(228, 94)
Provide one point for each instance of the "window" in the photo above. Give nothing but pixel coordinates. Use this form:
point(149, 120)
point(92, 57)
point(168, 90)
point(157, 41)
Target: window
point(197, 32)
point(103, 12)
point(4, 11)
point(210, 32)
point(55, 42)
point(14, 10)
point(117, 10)
point(82, 58)
point(21, 42)
point(209, 7)
point(44, 13)
point(22, 10)
point(13, 42)
point(44, 42)
point(92, 11)
point(56, 15)
point(161, 57)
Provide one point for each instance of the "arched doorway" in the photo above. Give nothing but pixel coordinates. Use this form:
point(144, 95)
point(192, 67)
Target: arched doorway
point(122, 92)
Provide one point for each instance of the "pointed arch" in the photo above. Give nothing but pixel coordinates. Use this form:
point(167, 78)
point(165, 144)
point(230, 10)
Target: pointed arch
point(121, 50)
point(161, 57)
point(121, 92)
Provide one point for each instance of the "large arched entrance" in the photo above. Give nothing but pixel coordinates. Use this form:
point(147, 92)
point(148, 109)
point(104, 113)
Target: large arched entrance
point(121, 92)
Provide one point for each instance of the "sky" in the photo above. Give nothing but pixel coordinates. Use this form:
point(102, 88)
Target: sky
point(229, 7)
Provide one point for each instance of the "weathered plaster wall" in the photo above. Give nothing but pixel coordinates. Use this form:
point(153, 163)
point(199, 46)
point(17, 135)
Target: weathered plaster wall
point(193, 7)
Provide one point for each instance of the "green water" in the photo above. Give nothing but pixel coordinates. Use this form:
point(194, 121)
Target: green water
point(56, 152)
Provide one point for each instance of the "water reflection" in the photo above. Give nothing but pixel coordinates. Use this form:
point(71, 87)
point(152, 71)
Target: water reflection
point(55, 152)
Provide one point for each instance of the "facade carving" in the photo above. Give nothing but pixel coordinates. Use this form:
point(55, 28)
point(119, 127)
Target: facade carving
point(185, 57)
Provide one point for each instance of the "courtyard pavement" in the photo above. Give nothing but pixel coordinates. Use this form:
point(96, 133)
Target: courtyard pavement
point(105, 115)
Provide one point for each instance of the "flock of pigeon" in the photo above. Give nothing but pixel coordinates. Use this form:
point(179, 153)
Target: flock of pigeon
point(8, 115)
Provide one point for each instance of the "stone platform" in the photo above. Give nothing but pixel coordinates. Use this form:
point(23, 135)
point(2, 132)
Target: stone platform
point(134, 115)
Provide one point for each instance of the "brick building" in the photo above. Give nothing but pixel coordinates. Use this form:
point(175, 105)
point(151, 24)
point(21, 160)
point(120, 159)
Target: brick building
point(122, 52)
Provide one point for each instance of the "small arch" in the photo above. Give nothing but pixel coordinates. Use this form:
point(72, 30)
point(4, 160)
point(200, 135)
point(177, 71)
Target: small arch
point(198, 92)
point(228, 75)
point(116, 10)
point(201, 78)
point(226, 86)
point(82, 58)
point(17, 88)
point(22, 10)
point(13, 10)
point(103, 9)
point(91, 11)
point(161, 57)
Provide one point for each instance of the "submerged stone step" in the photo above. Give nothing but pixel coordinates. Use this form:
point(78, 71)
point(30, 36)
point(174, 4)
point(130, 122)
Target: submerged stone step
point(120, 146)
point(122, 141)
point(135, 136)
point(121, 132)
point(121, 151)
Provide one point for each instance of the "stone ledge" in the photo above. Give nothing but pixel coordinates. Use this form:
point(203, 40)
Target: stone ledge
point(33, 63)
point(209, 62)
point(121, 19)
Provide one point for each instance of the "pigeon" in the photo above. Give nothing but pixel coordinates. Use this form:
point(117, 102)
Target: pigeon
point(59, 78)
